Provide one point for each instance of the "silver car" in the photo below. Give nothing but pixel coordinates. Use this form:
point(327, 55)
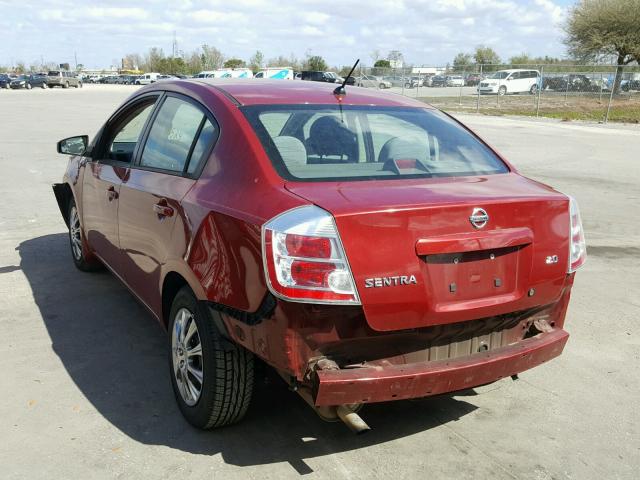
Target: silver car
point(372, 82)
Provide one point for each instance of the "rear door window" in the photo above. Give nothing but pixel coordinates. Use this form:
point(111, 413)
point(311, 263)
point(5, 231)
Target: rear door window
point(179, 138)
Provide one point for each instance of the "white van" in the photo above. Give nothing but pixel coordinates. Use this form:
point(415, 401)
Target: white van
point(281, 73)
point(226, 73)
point(234, 73)
point(206, 74)
point(147, 78)
point(511, 81)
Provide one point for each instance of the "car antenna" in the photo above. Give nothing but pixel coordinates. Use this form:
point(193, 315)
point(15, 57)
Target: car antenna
point(340, 90)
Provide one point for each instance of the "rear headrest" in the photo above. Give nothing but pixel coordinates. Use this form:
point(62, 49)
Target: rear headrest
point(292, 151)
point(329, 136)
point(407, 147)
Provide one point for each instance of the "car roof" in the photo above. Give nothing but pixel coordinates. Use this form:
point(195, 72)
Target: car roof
point(287, 92)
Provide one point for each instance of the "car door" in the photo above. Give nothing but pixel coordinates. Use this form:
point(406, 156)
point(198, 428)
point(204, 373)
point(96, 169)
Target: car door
point(104, 172)
point(175, 148)
point(513, 82)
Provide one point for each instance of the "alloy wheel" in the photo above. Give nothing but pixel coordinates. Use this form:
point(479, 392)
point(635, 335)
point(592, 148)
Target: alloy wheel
point(186, 355)
point(74, 234)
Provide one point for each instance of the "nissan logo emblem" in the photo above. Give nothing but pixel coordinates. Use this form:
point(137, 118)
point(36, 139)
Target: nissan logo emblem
point(479, 217)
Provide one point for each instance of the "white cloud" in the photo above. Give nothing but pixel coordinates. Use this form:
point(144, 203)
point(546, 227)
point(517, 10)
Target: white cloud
point(317, 18)
point(426, 31)
point(114, 12)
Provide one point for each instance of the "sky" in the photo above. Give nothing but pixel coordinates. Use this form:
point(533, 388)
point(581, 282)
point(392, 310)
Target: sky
point(427, 32)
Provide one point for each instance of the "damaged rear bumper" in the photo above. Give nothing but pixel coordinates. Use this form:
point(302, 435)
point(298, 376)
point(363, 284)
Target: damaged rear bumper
point(402, 381)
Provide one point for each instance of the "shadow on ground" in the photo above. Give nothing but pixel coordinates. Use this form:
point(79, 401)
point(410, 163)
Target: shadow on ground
point(116, 354)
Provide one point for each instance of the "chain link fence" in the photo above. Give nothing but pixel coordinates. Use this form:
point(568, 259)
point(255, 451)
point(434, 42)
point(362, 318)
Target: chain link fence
point(591, 92)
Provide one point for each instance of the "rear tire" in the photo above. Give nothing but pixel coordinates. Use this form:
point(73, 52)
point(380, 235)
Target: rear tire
point(65, 85)
point(212, 378)
point(533, 90)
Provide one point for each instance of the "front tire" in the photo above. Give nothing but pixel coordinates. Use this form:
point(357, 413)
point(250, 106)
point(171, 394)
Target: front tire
point(78, 250)
point(502, 91)
point(212, 378)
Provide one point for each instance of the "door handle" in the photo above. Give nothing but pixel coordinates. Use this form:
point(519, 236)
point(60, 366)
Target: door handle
point(163, 210)
point(111, 193)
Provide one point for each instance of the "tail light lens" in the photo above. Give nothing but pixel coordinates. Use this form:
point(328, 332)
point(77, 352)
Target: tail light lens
point(304, 259)
point(577, 243)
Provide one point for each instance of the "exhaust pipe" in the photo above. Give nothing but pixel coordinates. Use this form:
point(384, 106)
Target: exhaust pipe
point(346, 413)
point(352, 420)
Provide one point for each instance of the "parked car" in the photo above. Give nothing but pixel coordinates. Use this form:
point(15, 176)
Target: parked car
point(455, 81)
point(6, 79)
point(572, 83)
point(439, 81)
point(147, 78)
point(372, 82)
point(92, 79)
point(462, 286)
point(473, 79)
point(29, 82)
point(317, 76)
point(413, 82)
point(628, 85)
point(62, 78)
point(503, 82)
point(396, 80)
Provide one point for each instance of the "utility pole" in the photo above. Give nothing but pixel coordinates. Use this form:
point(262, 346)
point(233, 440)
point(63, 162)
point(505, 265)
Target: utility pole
point(174, 46)
point(75, 57)
point(174, 49)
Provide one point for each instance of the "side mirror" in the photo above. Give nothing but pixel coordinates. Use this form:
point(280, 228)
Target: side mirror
point(73, 145)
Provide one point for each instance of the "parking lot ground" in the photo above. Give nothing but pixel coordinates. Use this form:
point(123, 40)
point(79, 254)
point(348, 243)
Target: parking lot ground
point(85, 385)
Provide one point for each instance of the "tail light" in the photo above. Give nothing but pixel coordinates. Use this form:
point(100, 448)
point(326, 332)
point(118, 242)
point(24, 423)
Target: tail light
point(577, 243)
point(304, 259)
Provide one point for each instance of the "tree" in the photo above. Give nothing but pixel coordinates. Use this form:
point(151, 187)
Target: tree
point(234, 63)
point(463, 62)
point(256, 61)
point(486, 56)
point(522, 59)
point(316, 62)
point(153, 59)
point(131, 61)
point(193, 62)
point(382, 64)
point(396, 59)
point(609, 27)
point(211, 57)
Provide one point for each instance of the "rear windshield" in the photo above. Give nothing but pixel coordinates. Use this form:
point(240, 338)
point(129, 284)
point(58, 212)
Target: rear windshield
point(314, 143)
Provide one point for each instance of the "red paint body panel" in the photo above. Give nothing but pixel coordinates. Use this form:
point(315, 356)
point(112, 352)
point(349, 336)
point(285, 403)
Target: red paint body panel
point(402, 215)
point(398, 382)
point(411, 227)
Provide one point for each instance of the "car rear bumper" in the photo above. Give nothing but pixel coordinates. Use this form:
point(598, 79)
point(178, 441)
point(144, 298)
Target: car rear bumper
point(397, 382)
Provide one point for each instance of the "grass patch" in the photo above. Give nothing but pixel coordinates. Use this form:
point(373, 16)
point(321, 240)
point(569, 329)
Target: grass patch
point(624, 109)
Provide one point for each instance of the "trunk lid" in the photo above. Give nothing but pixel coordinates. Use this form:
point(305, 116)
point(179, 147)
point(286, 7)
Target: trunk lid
point(418, 261)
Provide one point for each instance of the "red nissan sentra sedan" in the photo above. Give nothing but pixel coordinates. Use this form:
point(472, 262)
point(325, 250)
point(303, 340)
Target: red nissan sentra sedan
point(365, 245)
